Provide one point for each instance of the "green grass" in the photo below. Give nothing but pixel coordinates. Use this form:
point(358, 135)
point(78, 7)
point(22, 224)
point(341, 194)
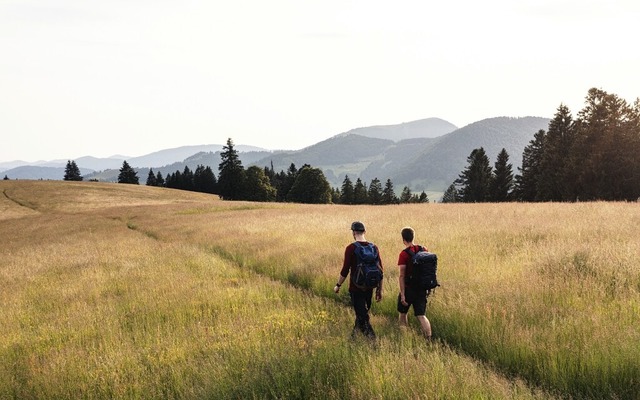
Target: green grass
point(126, 292)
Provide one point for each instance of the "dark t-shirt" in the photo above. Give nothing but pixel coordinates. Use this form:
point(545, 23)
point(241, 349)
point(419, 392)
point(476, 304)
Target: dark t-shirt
point(405, 259)
point(349, 264)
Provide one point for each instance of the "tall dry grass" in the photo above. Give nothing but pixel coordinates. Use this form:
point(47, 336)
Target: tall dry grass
point(116, 291)
point(548, 292)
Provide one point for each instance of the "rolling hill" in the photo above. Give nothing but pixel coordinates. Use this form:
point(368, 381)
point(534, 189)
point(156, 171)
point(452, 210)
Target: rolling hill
point(429, 164)
point(425, 155)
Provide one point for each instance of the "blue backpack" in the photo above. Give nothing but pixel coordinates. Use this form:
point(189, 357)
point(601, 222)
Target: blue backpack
point(368, 273)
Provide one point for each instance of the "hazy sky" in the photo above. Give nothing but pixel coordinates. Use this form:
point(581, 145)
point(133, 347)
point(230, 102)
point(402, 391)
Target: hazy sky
point(88, 77)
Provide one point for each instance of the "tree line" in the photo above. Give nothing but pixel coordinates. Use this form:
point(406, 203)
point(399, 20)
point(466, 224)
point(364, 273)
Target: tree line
point(595, 156)
point(304, 185)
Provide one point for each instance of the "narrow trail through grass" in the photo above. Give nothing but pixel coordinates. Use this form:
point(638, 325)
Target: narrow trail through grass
point(169, 269)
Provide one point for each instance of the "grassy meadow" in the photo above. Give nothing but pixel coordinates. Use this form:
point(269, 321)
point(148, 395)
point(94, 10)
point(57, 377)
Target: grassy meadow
point(123, 291)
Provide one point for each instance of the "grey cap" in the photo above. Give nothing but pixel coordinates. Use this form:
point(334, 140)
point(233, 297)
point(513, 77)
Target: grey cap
point(357, 226)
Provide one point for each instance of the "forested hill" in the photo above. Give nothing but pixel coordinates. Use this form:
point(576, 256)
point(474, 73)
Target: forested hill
point(439, 164)
point(422, 163)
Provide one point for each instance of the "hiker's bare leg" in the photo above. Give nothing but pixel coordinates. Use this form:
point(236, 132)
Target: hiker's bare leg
point(402, 319)
point(425, 325)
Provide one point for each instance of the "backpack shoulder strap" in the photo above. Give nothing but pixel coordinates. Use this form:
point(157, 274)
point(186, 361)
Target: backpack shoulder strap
point(409, 252)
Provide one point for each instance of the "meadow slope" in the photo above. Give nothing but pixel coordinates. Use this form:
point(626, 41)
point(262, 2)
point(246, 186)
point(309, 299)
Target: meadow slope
point(129, 291)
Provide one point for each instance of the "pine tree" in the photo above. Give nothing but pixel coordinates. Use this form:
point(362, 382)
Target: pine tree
point(474, 180)
point(187, 179)
point(450, 195)
point(127, 174)
point(526, 183)
point(346, 194)
point(375, 191)
point(6, 178)
point(335, 196)
point(232, 176)
point(360, 192)
point(502, 182)
point(406, 195)
point(72, 172)
point(286, 182)
point(607, 142)
point(555, 182)
point(423, 197)
point(204, 180)
point(151, 178)
point(159, 179)
point(388, 194)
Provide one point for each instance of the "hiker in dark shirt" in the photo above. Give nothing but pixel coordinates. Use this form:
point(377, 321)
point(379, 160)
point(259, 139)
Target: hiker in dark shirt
point(411, 296)
point(360, 297)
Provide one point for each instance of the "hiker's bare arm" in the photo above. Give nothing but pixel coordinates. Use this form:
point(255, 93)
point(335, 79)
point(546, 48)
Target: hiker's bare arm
point(403, 269)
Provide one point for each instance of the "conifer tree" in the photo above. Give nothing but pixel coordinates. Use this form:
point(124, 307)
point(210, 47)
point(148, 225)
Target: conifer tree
point(526, 183)
point(388, 194)
point(406, 195)
point(204, 180)
point(72, 172)
point(450, 195)
point(335, 196)
point(187, 182)
point(151, 178)
point(360, 192)
point(605, 155)
point(474, 180)
point(555, 181)
point(159, 179)
point(346, 194)
point(502, 182)
point(375, 191)
point(286, 181)
point(232, 176)
point(423, 197)
point(127, 174)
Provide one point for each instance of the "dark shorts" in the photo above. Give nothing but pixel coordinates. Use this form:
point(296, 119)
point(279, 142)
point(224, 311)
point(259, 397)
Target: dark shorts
point(415, 298)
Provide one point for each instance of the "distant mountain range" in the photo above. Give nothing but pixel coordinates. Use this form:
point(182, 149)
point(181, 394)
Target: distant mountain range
point(423, 163)
point(89, 165)
point(426, 154)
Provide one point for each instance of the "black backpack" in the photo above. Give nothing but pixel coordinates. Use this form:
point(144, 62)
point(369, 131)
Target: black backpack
point(367, 273)
point(423, 271)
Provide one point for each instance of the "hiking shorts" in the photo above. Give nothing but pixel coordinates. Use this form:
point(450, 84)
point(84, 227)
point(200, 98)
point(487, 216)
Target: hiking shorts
point(415, 298)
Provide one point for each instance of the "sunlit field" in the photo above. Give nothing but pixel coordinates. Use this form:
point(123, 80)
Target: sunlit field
point(136, 292)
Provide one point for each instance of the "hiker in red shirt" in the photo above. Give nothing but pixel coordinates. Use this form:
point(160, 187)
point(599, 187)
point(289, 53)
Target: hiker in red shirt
point(411, 296)
point(361, 294)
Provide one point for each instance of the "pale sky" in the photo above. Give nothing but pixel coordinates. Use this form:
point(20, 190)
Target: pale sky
point(88, 77)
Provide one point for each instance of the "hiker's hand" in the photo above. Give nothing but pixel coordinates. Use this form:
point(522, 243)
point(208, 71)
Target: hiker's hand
point(378, 295)
point(403, 301)
point(336, 288)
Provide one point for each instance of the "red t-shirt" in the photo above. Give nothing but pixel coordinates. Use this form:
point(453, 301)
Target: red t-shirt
point(349, 264)
point(405, 259)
